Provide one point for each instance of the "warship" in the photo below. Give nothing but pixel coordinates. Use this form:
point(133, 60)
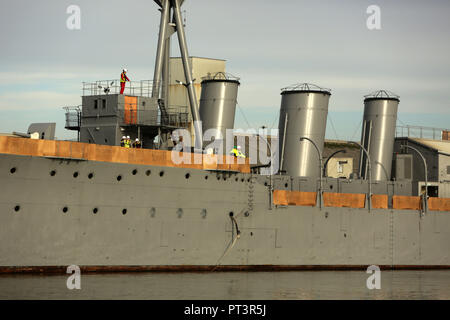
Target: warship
point(104, 207)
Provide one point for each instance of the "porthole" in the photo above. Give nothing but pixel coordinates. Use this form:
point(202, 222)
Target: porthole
point(148, 172)
point(187, 175)
point(65, 209)
point(231, 213)
point(16, 208)
point(95, 210)
point(265, 183)
point(242, 180)
point(237, 179)
point(161, 173)
point(331, 187)
point(218, 178)
point(285, 185)
point(134, 172)
point(90, 175)
point(119, 177)
point(224, 179)
point(52, 173)
point(13, 170)
point(75, 174)
point(206, 177)
point(124, 211)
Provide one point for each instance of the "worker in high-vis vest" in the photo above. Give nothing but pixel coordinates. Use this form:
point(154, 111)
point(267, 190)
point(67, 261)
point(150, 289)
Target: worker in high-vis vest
point(128, 142)
point(123, 79)
point(236, 151)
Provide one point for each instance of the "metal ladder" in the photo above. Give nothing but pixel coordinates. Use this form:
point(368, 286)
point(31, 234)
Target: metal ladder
point(251, 191)
point(164, 114)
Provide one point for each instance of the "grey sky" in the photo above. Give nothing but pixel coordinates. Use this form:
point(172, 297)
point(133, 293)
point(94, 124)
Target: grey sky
point(269, 44)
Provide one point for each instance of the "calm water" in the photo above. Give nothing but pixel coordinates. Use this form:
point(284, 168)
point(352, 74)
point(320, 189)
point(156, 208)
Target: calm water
point(232, 285)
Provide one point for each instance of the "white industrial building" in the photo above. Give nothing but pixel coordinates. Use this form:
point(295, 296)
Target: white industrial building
point(408, 165)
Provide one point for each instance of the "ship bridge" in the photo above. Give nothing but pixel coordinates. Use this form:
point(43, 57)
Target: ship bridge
point(106, 115)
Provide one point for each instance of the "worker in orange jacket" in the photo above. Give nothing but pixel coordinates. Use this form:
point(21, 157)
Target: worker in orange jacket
point(123, 79)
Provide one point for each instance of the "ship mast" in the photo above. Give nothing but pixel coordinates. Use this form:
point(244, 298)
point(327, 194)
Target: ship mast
point(166, 29)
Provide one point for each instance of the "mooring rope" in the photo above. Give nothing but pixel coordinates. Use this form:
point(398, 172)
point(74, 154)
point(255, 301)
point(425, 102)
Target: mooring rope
point(233, 242)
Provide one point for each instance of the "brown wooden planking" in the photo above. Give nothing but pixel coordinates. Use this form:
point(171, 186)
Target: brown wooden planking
point(294, 198)
point(93, 152)
point(57, 270)
point(347, 200)
point(302, 198)
point(439, 204)
point(406, 202)
point(280, 197)
point(379, 201)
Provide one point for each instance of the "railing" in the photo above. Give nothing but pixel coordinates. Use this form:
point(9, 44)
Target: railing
point(420, 132)
point(129, 114)
point(142, 88)
point(220, 76)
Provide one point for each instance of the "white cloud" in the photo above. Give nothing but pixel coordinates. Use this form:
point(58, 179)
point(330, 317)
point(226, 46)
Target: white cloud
point(268, 45)
point(37, 100)
point(262, 89)
point(8, 78)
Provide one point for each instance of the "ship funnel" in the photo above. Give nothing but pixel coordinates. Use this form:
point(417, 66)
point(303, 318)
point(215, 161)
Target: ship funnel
point(378, 133)
point(217, 107)
point(303, 113)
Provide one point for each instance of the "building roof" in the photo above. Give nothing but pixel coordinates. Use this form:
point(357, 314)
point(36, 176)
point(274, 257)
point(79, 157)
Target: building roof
point(195, 57)
point(438, 145)
point(8, 135)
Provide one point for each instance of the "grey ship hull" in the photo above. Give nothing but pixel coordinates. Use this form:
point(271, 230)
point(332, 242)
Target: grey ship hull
point(173, 222)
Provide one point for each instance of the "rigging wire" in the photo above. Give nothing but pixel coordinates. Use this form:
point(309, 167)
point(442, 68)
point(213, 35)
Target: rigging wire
point(243, 115)
point(274, 119)
point(356, 130)
point(332, 126)
point(401, 122)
